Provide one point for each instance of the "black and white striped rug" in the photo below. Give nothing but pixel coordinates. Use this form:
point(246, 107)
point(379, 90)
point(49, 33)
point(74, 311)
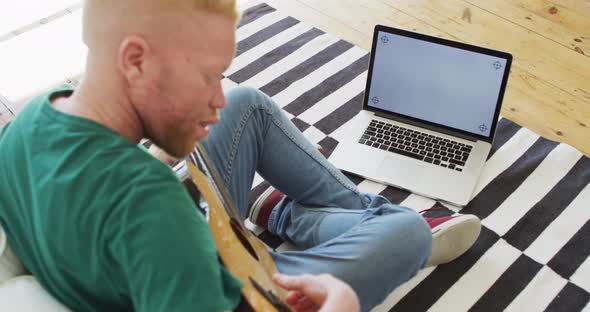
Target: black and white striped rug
point(533, 195)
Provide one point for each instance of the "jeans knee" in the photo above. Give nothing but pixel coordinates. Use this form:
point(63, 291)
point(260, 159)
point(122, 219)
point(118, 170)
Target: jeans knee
point(411, 237)
point(248, 97)
point(420, 236)
point(242, 93)
point(399, 248)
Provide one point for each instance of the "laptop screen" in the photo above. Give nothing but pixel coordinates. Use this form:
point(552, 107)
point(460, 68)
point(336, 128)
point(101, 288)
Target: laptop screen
point(444, 85)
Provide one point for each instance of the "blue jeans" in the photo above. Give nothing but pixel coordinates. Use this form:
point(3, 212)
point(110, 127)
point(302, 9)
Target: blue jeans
point(360, 238)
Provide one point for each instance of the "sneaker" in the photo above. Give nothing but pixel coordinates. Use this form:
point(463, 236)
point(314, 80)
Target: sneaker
point(266, 202)
point(263, 206)
point(452, 236)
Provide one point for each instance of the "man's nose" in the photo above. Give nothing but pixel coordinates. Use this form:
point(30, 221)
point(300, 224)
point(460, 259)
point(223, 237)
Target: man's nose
point(218, 101)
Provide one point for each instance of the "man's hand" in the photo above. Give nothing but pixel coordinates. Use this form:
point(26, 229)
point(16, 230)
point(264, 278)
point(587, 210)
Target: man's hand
point(323, 293)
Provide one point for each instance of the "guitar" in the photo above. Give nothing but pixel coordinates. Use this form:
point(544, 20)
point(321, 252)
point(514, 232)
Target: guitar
point(242, 253)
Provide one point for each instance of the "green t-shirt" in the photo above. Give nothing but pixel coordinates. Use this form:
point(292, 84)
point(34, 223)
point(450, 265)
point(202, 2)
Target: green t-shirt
point(103, 225)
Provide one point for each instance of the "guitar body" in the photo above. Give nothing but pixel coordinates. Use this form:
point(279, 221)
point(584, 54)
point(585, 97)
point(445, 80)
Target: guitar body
point(242, 253)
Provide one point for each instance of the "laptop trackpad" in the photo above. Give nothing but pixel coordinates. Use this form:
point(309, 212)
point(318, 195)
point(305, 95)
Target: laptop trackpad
point(399, 172)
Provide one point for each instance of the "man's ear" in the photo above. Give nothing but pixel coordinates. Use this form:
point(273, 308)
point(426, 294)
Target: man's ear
point(133, 55)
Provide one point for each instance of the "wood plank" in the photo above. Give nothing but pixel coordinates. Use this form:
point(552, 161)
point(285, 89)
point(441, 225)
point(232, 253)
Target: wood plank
point(531, 101)
point(562, 67)
point(548, 111)
point(354, 20)
point(569, 119)
point(580, 6)
point(323, 21)
point(556, 23)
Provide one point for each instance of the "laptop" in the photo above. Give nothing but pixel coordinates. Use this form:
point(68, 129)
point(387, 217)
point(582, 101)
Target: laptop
point(429, 116)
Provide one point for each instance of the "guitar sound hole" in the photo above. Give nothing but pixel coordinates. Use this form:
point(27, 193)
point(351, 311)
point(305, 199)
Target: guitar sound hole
point(245, 242)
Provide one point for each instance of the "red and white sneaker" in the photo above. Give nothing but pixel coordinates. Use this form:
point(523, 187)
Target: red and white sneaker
point(265, 203)
point(452, 236)
point(263, 206)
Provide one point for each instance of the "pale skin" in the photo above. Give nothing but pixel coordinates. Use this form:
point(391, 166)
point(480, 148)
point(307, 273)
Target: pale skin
point(323, 293)
point(157, 76)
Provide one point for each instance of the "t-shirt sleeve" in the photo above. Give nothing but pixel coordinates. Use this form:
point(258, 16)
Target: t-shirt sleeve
point(167, 253)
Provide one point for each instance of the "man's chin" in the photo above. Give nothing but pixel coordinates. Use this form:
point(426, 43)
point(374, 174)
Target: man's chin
point(182, 153)
point(178, 152)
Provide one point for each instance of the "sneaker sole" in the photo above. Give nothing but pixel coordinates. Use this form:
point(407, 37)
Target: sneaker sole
point(453, 238)
point(253, 213)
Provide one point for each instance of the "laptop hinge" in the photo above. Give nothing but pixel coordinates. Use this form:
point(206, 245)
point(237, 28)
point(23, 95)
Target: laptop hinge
point(428, 126)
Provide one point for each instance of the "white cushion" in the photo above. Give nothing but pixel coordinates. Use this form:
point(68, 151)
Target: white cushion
point(10, 265)
point(25, 294)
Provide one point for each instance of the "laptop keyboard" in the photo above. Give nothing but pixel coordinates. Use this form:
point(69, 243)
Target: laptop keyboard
point(418, 145)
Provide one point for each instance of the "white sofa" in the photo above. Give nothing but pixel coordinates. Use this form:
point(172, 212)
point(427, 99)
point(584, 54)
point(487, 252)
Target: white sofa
point(19, 291)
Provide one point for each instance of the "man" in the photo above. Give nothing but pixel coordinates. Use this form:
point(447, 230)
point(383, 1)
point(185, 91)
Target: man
point(105, 226)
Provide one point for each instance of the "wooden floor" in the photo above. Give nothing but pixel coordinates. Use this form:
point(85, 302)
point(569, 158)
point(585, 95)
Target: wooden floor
point(549, 87)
